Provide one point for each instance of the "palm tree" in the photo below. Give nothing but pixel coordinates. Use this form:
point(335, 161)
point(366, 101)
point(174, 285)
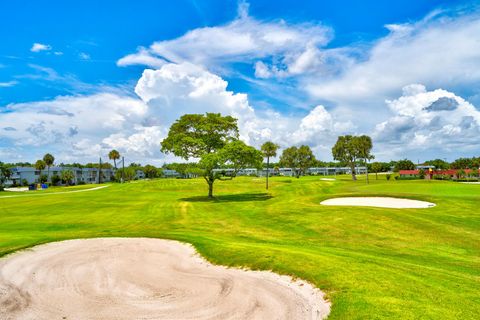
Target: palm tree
point(48, 159)
point(40, 165)
point(67, 176)
point(114, 155)
point(269, 149)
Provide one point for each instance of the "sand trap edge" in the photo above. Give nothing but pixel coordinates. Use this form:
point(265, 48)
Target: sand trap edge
point(300, 287)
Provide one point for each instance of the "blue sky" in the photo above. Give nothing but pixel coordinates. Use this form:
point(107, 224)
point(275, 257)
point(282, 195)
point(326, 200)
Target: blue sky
point(293, 72)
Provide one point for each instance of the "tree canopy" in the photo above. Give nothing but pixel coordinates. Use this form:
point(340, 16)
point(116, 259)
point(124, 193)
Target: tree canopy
point(404, 164)
point(48, 159)
point(151, 171)
point(5, 173)
point(377, 167)
point(114, 155)
point(299, 159)
point(127, 173)
point(194, 135)
point(67, 176)
point(438, 164)
point(213, 139)
point(269, 149)
point(466, 163)
point(350, 149)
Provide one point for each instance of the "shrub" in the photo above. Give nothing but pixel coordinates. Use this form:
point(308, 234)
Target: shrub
point(25, 183)
point(55, 179)
point(421, 174)
point(80, 183)
point(43, 178)
point(406, 178)
point(388, 176)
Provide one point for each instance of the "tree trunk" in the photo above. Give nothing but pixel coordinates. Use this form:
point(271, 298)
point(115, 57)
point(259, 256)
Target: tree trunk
point(115, 163)
point(48, 173)
point(210, 188)
point(366, 168)
point(352, 166)
point(376, 175)
point(268, 165)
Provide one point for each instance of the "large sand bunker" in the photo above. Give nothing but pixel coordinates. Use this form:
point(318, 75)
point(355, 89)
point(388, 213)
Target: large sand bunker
point(139, 278)
point(382, 202)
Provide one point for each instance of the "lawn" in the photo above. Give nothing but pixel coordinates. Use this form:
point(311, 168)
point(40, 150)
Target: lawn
point(373, 263)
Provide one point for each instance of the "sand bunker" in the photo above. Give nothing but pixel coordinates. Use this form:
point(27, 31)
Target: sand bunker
point(381, 202)
point(17, 189)
point(138, 278)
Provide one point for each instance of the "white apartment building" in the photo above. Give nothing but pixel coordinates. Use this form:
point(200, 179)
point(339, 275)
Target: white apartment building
point(84, 175)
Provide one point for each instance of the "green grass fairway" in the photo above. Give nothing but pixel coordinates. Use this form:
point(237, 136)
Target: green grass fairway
point(373, 263)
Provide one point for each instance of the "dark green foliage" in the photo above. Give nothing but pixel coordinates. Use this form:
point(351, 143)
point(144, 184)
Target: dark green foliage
point(67, 177)
point(152, 172)
point(421, 174)
point(129, 173)
point(55, 180)
point(214, 139)
point(5, 173)
point(269, 149)
point(438, 163)
point(194, 135)
point(350, 149)
point(114, 155)
point(299, 159)
point(466, 163)
point(404, 164)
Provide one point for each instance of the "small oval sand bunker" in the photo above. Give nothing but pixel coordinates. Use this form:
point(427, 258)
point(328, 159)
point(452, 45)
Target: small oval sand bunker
point(138, 278)
point(381, 202)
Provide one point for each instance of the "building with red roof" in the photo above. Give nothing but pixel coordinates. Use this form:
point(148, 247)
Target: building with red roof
point(429, 174)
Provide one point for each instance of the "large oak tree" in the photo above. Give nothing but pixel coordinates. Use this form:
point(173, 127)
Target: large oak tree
point(299, 159)
point(213, 139)
point(351, 149)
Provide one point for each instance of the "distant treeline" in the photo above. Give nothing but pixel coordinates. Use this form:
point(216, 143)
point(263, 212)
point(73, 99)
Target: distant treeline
point(182, 168)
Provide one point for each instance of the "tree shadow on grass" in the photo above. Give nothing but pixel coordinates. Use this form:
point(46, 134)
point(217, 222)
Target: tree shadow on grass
point(242, 197)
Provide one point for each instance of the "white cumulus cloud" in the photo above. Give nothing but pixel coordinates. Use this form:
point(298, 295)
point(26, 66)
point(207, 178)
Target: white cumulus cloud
point(37, 47)
point(424, 120)
point(294, 47)
point(8, 84)
point(82, 128)
point(74, 126)
point(439, 51)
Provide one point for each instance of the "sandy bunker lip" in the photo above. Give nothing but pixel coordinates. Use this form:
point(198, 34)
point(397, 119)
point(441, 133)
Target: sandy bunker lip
point(381, 202)
point(140, 278)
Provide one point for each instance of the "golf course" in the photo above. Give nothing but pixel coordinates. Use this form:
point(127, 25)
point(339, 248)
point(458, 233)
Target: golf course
point(372, 263)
